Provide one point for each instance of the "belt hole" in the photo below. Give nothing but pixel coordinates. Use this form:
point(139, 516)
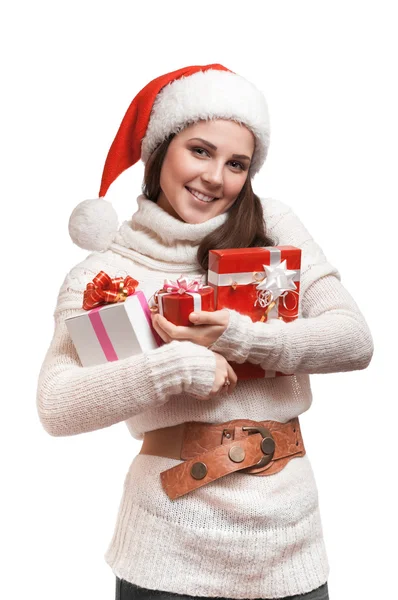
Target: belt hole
point(294, 430)
point(296, 443)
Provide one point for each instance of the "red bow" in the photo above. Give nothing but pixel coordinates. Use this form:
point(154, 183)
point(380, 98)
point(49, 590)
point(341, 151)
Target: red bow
point(104, 290)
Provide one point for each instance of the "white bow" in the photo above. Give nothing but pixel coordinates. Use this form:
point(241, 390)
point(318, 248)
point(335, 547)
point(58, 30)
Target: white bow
point(278, 280)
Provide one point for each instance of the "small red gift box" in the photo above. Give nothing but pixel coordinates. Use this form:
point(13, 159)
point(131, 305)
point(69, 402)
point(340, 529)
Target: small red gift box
point(178, 299)
point(263, 283)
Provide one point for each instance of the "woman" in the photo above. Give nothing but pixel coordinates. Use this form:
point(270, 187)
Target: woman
point(203, 133)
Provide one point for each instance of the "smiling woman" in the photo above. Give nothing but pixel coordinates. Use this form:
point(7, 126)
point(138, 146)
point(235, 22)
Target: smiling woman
point(205, 171)
point(203, 133)
point(197, 183)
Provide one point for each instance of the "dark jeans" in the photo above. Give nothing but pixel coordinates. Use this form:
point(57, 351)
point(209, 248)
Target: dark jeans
point(129, 591)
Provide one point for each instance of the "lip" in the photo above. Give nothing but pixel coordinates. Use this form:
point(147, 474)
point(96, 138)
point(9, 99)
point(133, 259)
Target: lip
point(200, 192)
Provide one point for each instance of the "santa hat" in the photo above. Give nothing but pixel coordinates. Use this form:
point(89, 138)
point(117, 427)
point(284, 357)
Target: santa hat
point(165, 106)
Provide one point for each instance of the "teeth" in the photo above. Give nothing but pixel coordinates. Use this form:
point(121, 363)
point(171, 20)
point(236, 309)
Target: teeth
point(201, 196)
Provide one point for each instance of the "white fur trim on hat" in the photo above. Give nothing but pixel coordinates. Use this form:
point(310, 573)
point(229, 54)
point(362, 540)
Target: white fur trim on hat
point(93, 224)
point(208, 95)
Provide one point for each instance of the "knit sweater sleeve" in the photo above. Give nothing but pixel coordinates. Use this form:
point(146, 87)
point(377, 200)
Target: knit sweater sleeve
point(73, 399)
point(330, 336)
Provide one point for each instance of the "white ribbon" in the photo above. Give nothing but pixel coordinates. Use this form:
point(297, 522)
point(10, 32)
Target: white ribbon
point(197, 301)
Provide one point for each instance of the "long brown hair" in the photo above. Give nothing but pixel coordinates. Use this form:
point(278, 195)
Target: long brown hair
point(245, 227)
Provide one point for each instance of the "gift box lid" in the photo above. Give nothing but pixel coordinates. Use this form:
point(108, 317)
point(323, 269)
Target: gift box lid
point(105, 307)
point(237, 260)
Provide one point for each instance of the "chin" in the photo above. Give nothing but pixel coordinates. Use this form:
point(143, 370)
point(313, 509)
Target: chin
point(194, 220)
point(192, 217)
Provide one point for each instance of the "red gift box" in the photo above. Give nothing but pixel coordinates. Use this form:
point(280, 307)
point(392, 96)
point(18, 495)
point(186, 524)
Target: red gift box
point(178, 299)
point(263, 283)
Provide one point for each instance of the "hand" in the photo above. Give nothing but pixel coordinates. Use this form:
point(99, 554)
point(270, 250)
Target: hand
point(209, 326)
point(224, 372)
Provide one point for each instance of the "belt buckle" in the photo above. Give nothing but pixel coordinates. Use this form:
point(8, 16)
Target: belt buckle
point(267, 446)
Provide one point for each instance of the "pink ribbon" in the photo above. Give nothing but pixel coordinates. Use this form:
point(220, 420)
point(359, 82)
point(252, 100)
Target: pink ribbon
point(147, 313)
point(182, 286)
point(102, 335)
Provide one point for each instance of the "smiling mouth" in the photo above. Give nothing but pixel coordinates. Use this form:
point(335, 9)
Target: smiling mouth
point(200, 196)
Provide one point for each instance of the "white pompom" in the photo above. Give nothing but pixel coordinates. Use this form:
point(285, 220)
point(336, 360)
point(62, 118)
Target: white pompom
point(93, 224)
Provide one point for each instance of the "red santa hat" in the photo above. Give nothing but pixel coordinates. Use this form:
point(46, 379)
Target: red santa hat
point(165, 106)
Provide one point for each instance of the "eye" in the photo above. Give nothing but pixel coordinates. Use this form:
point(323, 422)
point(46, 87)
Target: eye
point(199, 151)
point(237, 165)
point(202, 152)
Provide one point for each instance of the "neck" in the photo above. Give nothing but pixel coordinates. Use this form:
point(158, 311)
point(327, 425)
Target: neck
point(154, 233)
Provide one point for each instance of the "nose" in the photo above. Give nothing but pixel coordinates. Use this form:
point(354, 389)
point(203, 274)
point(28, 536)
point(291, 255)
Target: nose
point(213, 174)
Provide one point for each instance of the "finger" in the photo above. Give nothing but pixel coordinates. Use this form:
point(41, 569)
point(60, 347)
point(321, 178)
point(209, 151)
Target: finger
point(204, 317)
point(163, 324)
point(176, 332)
point(166, 338)
point(232, 378)
point(224, 388)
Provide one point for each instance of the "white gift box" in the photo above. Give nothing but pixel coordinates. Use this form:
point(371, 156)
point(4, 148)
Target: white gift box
point(113, 331)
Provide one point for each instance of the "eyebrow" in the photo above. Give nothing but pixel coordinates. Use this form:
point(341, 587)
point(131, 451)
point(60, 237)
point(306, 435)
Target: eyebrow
point(241, 156)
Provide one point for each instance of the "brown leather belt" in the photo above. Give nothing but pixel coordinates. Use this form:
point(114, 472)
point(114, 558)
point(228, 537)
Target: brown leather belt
point(212, 450)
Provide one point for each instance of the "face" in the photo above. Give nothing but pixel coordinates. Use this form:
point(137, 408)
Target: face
point(205, 168)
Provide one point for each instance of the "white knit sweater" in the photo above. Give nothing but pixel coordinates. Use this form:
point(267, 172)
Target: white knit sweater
point(241, 536)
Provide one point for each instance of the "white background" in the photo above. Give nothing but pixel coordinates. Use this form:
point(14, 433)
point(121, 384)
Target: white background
point(70, 69)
